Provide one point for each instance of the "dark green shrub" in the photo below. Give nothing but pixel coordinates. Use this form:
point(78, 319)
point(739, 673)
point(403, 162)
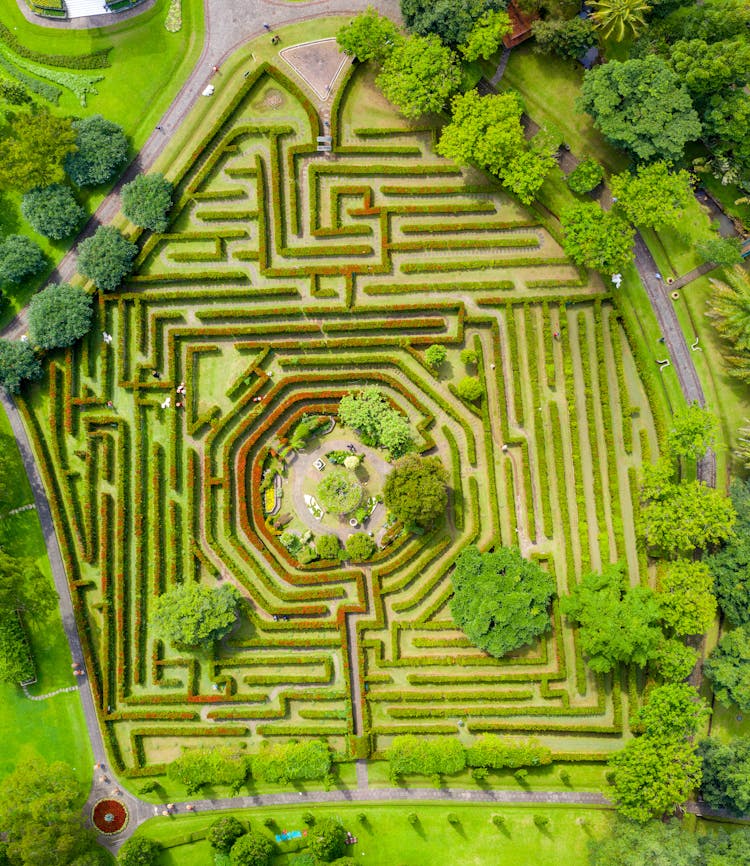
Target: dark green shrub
point(59, 316)
point(252, 849)
point(327, 840)
point(139, 851)
point(52, 211)
point(360, 547)
point(225, 832)
point(18, 363)
point(106, 258)
point(102, 151)
point(146, 201)
point(20, 258)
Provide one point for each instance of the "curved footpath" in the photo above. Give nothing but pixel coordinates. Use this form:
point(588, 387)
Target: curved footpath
point(229, 23)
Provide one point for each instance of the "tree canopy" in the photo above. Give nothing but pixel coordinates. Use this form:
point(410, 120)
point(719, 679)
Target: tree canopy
point(252, 849)
point(146, 201)
point(192, 615)
point(653, 196)
point(730, 565)
point(656, 843)
point(290, 762)
point(451, 21)
point(369, 36)
point(618, 624)
point(728, 668)
point(33, 146)
point(415, 490)
point(641, 106)
point(52, 211)
point(20, 258)
point(409, 754)
point(41, 816)
point(327, 840)
point(224, 832)
point(678, 518)
point(378, 424)
point(651, 776)
point(419, 75)
point(106, 258)
point(139, 851)
point(673, 711)
point(500, 600)
point(726, 774)
point(59, 316)
point(728, 307)
point(619, 19)
point(693, 432)
point(23, 586)
point(219, 766)
point(686, 600)
point(566, 38)
point(597, 238)
point(18, 363)
point(102, 151)
point(486, 35)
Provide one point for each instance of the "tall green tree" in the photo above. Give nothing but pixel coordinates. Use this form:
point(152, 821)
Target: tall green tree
point(33, 146)
point(252, 849)
point(20, 258)
point(652, 776)
point(23, 586)
point(106, 258)
point(102, 151)
point(369, 36)
point(653, 196)
point(728, 307)
point(41, 816)
point(451, 22)
point(218, 766)
point(566, 38)
point(500, 600)
point(327, 840)
point(686, 600)
point(18, 364)
point(681, 518)
point(419, 75)
point(728, 668)
point(693, 431)
point(486, 35)
point(59, 316)
point(657, 843)
point(146, 201)
point(139, 851)
point(711, 67)
point(618, 624)
point(597, 239)
point(191, 615)
point(672, 712)
point(415, 490)
point(642, 106)
point(620, 19)
point(726, 774)
point(730, 565)
point(52, 211)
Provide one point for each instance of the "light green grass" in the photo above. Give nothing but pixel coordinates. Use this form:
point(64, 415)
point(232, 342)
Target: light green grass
point(549, 87)
point(388, 839)
point(149, 65)
point(52, 730)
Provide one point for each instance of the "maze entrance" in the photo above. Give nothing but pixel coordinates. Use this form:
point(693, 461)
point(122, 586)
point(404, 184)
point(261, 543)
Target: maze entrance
point(286, 279)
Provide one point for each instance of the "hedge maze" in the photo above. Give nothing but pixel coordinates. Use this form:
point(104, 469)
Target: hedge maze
point(293, 276)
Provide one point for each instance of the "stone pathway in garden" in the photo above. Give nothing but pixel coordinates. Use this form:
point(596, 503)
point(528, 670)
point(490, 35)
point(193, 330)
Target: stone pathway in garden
point(49, 694)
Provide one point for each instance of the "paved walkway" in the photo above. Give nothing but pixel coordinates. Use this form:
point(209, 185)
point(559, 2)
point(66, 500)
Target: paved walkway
point(700, 271)
point(86, 22)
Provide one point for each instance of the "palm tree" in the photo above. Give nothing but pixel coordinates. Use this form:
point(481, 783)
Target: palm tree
point(619, 18)
point(729, 309)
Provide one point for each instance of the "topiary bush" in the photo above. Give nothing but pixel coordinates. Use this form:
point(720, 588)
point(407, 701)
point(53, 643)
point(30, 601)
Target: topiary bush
point(360, 547)
point(339, 492)
point(327, 546)
point(470, 388)
point(225, 832)
point(435, 356)
point(587, 175)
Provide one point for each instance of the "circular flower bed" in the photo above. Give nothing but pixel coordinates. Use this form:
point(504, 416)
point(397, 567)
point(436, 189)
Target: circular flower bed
point(109, 816)
point(339, 492)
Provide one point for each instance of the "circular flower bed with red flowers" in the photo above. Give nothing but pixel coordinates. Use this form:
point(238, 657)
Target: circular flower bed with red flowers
point(109, 816)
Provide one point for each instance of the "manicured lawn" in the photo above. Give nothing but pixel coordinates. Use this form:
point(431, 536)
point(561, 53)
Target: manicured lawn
point(535, 76)
point(388, 839)
point(149, 65)
point(54, 729)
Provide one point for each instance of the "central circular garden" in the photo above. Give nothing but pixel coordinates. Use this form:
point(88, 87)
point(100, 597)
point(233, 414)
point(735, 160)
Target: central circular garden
point(109, 816)
point(339, 492)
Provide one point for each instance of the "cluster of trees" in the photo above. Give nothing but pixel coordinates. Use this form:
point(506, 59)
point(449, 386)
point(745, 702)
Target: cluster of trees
point(656, 770)
point(436, 757)
point(669, 844)
point(191, 615)
point(500, 600)
point(22, 588)
point(288, 762)
point(376, 421)
point(42, 821)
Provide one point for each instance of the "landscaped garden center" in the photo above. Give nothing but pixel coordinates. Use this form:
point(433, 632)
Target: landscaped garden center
point(374, 472)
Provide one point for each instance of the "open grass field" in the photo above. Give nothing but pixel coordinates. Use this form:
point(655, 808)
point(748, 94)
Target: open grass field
point(52, 729)
point(286, 278)
point(147, 66)
point(387, 838)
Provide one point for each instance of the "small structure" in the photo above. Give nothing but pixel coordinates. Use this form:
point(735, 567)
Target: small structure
point(325, 144)
point(521, 26)
point(209, 91)
point(320, 464)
